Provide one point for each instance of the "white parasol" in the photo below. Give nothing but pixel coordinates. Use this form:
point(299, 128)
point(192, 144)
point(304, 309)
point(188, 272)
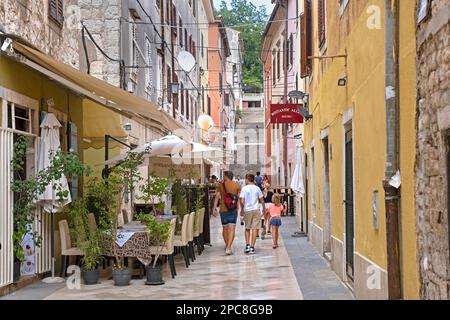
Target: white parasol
point(50, 202)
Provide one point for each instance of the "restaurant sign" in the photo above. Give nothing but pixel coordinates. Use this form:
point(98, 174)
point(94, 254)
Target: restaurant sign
point(285, 113)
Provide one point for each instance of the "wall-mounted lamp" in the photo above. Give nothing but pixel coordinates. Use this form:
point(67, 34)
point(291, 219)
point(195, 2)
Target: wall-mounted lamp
point(127, 126)
point(342, 82)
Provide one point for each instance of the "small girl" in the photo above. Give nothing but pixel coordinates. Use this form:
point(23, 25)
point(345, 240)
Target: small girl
point(276, 209)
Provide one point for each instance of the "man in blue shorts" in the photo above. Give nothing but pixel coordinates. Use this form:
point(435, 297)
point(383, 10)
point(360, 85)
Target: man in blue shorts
point(228, 216)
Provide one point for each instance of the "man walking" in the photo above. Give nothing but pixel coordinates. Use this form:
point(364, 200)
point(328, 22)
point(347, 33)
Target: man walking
point(228, 194)
point(259, 180)
point(251, 198)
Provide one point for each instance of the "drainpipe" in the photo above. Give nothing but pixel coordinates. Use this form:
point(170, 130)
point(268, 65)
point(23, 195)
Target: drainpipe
point(285, 4)
point(392, 194)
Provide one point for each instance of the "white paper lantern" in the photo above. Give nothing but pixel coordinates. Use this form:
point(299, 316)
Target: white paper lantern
point(205, 122)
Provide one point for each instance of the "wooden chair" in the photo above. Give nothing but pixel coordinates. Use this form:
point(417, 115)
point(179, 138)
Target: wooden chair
point(167, 249)
point(197, 231)
point(191, 236)
point(182, 241)
point(66, 246)
point(201, 221)
point(92, 222)
point(126, 217)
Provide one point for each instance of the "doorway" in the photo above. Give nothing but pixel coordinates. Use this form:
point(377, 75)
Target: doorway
point(306, 221)
point(326, 200)
point(349, 213)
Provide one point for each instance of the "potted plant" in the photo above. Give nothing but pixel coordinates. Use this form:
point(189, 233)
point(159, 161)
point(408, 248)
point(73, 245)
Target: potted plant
point(122, 178)
point(158, 233)
point(27, 191)
point(88, 241)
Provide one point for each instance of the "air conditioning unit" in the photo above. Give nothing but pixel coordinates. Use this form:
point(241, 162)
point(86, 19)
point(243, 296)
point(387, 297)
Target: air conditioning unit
point(130, 86)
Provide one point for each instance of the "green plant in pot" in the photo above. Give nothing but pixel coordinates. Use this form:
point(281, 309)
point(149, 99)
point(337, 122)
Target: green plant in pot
point(89, 241)
point(122, 178)
point(158, 233)
point(153, 190)
point(27, 190)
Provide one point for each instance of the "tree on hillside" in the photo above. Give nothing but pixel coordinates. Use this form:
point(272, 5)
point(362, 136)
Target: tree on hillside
point(250, 21)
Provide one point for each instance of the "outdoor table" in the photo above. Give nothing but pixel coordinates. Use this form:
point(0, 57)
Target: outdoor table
point(136, 243)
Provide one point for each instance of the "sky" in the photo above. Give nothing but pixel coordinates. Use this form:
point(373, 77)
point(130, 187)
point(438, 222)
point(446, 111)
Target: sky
point(257, 3)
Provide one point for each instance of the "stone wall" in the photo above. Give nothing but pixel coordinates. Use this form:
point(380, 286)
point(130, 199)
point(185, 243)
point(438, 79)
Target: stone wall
point(102, 19)
point(433, 127)
point(29, 20)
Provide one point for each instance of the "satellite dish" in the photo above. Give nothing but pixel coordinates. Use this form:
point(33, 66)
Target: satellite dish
point(186, 61)
point(296, 94)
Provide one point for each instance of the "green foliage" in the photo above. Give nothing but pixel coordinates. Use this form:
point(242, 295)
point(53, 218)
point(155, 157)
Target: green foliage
point(179, 205)
point(199, 203)
point(158, 232)
point(153, 190)
point(90, 242)
point(27, 190)
point(243, 12)
point(124, 176)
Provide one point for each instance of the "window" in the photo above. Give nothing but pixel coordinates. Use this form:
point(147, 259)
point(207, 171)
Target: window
point(186, 45)
point(182, 98)
point(133, 47)
point(274, 68)
point(321, 20)
point(159, 83)
point(187, 105)
point(306, 40)
point(209, 105)
point(169, 81)
point(291, 50)
point(278, 64)
point(202, 43)
point(180, 24)
point(226, 99)
point(342, 5)
point(56, 10)
point(20, 118)
point(254, 104)
point(149, 64)
point(220, 83)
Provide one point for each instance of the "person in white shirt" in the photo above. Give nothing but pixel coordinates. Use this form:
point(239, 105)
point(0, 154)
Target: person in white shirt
point(251, 198)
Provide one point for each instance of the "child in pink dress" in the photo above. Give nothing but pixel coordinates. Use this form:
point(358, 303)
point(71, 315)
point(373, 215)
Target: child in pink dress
point(276, 209)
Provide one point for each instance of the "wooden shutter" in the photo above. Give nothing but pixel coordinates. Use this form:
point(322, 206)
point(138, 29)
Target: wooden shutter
point(306, 40)
point(321, 22)
point(56, 10)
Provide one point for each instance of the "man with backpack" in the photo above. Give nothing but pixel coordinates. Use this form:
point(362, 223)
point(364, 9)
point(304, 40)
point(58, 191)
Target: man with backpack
point(228, 193)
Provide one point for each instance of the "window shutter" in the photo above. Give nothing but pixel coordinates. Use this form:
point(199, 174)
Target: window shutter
point(321, 22)
point(306, 40)
point(60, 17)
point(53, 9)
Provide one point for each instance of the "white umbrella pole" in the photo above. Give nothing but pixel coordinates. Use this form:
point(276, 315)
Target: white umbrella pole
point(53, 279)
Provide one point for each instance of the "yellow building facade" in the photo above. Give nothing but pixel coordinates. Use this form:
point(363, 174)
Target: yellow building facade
point(345, 145)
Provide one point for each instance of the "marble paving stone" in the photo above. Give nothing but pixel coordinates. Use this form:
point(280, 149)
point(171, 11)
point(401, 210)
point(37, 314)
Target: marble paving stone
point(266, 275)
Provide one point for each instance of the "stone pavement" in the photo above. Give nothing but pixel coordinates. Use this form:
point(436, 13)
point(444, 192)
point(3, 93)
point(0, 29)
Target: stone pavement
point(315, 278)
point(294, 271)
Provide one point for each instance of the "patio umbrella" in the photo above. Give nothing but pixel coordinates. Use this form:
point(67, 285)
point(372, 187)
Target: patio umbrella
point(164, 146)
point(297, 179)
point(50, 202)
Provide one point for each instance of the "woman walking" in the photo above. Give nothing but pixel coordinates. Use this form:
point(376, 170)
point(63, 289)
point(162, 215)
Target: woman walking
point(276, 209)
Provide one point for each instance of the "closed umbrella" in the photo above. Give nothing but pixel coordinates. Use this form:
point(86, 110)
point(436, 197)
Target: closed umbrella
point(297, 184)
point(50, 202)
